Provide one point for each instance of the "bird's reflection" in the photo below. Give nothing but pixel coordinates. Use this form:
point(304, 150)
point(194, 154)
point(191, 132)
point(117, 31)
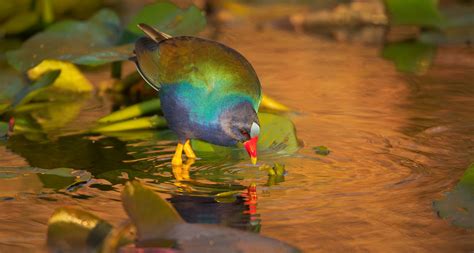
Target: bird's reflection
point(240, 213)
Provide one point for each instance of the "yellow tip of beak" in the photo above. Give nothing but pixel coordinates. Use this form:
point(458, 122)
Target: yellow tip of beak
point(254, 160)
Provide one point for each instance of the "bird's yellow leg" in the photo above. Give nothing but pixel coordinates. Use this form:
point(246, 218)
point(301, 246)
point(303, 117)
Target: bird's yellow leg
point(177, 160)
point(188, 150)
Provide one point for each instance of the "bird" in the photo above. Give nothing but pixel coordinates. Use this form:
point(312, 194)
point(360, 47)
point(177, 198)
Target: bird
point(208, 91)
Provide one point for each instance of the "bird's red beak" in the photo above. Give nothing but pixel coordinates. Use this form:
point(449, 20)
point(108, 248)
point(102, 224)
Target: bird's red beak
point(251, 147)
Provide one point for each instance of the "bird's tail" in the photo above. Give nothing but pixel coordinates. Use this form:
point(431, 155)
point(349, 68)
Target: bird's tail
point(145, 53)
point(152, 33)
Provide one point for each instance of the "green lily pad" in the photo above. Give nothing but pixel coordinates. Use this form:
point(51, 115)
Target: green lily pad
point(58, 178)
point(277, 135)
point(28, 94)
point(419, 12)
point(458, 205)
point(412, 57)
point(168, 18)
point(101, 39)
point(89, 43)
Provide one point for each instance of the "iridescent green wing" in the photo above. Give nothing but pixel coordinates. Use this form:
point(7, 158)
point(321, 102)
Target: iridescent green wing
point(207, 64)
point(202, 63)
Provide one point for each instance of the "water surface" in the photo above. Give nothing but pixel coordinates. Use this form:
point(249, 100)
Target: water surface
point(398, 141)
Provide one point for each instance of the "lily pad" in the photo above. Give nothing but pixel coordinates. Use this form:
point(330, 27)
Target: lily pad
point(458, 205)
point(28, 94)
point(101, 39)
point(82, 42)
point(168, 18)
point(412, 57)
point(278, 135)
point(419, 12)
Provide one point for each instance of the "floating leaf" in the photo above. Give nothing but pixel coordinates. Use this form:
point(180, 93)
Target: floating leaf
point(87, 43)
point(71, 229)
point(277, 135)
point(134, 124)
point(167, 18)
point(322, 150)
point(458, 205)
point(63, 178)
point(411, 57)
point(419, 12)
point(151, 106)
point(29, 93)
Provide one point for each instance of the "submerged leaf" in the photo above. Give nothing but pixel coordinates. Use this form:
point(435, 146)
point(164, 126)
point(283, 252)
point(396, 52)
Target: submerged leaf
point(74, 230)
point(411, 57)
point(151, 215)
point(151, 106)
point(458, 205)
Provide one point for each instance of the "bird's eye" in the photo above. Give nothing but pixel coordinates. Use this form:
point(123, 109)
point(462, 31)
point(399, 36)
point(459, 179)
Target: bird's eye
point(245, 133)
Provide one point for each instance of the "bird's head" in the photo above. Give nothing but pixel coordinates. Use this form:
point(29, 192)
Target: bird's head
point(241, 124)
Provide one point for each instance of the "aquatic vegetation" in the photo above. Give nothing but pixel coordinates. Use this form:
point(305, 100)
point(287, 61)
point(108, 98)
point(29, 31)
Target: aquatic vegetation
point(421, 12)
point(101, 39)
point(322, 150)
point(155, 224)
point(458, 205)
